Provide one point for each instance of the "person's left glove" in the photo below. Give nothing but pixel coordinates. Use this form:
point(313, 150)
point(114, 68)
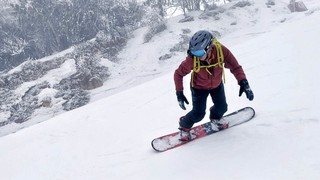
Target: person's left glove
point(181, 99)
point(244, 87)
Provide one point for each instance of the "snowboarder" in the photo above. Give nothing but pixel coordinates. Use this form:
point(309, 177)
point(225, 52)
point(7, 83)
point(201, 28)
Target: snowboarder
point(206, 59)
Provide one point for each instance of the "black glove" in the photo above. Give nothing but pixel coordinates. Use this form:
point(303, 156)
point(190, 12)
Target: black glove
point(244, 87)
point(181, 99)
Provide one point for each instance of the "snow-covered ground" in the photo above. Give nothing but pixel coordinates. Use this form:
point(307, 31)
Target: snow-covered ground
point(110, 137)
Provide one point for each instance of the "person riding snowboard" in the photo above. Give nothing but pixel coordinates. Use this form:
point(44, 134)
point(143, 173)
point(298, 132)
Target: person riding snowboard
point(207, 59)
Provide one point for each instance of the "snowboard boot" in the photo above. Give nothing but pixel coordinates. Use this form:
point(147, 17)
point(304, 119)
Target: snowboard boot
point(184, 132)
point(219, 125)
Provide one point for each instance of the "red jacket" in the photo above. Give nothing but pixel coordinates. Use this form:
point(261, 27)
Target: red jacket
point(203, 79)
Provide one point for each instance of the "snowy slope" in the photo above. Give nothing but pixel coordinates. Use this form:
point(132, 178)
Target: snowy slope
point(110, 138)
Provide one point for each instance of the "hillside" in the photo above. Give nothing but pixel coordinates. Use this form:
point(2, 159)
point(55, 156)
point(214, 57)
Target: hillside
point(110, 137)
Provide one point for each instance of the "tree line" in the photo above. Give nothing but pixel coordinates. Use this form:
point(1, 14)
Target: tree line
point(31, 29)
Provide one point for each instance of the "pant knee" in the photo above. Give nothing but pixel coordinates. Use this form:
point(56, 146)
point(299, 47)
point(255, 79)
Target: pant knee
point(216, 112)
point(198, 116)
point(224, 108)
point(193, 117)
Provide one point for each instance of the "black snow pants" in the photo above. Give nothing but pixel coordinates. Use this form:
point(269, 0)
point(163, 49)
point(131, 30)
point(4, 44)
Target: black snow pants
point(199, 103)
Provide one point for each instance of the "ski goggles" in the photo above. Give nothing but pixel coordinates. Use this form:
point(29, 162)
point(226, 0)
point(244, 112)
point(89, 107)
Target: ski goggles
point(201, 52)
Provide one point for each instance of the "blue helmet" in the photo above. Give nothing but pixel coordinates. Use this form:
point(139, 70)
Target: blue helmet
point(200, 42)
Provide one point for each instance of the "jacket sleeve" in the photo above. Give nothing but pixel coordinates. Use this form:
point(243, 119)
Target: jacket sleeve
point(232, 64)
point(185, 68)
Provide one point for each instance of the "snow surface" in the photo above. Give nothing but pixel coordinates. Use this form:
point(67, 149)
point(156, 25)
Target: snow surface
point(110, 137)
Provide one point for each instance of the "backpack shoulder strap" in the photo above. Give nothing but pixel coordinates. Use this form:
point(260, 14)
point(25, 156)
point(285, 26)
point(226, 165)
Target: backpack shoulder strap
point(220, 57)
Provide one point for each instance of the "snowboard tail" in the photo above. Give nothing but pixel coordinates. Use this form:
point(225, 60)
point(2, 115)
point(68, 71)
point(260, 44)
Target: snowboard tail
point(172, 140)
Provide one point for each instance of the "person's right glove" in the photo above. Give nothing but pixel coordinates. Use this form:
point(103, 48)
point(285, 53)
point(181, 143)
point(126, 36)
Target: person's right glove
point(244, 87)
point(181, 99)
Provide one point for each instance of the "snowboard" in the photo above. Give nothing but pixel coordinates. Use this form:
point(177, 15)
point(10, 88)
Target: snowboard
point(171, 141)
